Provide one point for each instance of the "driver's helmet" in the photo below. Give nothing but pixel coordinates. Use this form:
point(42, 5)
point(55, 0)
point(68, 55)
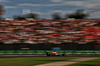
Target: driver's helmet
point(54, 52)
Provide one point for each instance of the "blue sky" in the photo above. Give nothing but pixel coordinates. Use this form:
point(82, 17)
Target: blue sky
point(46, 7)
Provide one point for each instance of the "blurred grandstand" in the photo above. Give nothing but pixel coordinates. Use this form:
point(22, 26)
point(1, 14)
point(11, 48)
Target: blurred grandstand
point(43, 34)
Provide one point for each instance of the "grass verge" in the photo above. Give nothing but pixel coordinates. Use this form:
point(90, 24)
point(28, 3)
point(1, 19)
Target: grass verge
point(30, 61)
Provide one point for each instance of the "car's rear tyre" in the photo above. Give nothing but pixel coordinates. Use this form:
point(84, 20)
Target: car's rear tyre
point(48, 54)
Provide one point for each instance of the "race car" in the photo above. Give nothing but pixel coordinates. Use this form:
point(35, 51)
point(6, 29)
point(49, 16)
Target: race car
point(56, 54)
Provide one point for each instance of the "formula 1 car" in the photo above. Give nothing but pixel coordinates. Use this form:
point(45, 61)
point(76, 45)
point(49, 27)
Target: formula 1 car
point(56, 54)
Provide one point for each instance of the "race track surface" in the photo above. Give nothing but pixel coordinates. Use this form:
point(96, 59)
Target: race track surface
point(23, 56)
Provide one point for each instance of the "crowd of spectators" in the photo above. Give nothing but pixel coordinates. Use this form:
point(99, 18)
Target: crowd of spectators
point(38, 31)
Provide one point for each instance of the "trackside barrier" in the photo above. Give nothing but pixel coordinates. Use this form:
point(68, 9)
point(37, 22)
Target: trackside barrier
point(44, 51)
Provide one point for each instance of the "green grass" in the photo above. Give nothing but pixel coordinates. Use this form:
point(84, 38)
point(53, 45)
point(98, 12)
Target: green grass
point(30, 61)
point(95, 62)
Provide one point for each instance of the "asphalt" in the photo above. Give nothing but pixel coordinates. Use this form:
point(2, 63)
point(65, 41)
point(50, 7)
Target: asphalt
point(35, 56)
